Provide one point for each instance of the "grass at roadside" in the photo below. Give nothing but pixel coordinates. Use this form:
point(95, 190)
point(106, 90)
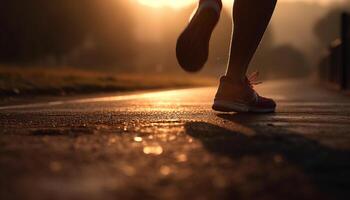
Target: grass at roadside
point(61, 81)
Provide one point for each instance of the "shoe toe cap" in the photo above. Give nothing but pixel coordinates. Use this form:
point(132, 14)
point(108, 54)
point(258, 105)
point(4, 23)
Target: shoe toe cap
point(267, 102)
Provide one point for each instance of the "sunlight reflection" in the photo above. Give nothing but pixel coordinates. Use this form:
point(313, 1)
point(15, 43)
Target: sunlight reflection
point(165, 170)
point(138, 139)
point(160, 97)
point(153, 150)
point(181, 158)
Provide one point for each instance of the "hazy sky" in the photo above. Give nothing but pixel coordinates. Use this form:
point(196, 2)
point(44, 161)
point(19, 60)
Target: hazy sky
point(178, 4)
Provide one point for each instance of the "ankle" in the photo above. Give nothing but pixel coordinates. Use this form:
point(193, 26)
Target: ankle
point(234, 79)
point(226, 82)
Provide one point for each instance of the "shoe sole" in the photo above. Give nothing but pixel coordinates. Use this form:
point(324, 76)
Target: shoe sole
point(226, 106)
point(192, 48)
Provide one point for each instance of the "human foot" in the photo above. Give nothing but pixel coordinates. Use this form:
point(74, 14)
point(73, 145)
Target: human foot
point(241, 97)
point(192, 47)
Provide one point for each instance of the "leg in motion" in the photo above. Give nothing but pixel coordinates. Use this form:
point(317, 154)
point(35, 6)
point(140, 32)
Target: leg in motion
point(251, 18)
point(193, 44)
point(236, 92)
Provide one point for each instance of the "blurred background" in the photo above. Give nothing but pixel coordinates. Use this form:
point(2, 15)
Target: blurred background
point(102, 44)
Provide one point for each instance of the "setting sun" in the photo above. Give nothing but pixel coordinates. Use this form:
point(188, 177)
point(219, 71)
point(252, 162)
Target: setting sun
point(168, 3)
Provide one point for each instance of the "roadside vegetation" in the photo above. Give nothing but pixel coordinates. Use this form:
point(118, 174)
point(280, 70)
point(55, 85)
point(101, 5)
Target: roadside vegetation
point(62, 81)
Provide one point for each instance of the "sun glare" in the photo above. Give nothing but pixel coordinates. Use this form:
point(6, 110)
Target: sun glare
point(167, 3)
point(176, 4)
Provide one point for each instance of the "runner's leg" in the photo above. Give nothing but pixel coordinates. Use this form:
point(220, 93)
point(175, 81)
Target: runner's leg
point(251, 18)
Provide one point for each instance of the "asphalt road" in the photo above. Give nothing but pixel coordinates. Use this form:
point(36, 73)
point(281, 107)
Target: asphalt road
point(171, 145)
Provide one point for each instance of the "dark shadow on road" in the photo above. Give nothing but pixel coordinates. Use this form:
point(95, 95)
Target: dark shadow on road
point(282, 154)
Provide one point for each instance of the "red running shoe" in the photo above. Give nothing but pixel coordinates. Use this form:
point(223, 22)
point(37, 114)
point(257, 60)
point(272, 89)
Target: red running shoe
point(241, 97)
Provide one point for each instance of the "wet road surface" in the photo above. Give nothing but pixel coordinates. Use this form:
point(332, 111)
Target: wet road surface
point(171, 145)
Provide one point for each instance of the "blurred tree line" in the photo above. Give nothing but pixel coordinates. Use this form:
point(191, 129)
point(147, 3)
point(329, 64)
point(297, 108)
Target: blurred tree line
point(310, 29)
point(57, 30)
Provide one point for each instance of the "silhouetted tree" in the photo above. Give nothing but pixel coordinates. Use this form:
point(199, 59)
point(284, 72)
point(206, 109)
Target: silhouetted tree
point(261, 60)
point(283, 61)
point(327, 29)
